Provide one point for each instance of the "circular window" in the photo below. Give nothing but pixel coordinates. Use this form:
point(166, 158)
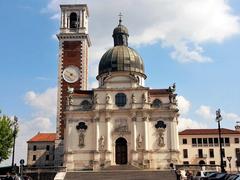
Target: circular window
point(156, 103)
point(120, 99)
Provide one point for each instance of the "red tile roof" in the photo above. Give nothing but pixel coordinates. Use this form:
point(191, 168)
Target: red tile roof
point(207, 131)
point(43, 137)
point(158, 91)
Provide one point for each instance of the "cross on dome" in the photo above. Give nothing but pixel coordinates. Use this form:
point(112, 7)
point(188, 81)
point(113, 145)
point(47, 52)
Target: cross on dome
point(120, 18)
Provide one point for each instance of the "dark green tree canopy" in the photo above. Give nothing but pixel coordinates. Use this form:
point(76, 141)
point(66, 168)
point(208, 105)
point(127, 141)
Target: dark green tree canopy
point(6, 136)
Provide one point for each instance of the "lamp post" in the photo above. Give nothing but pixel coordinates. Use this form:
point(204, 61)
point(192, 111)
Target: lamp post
point(218, 119)
point(15, 124)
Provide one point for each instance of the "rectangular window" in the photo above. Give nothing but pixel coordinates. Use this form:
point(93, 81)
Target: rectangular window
point(205, 143)
point(47, 157)
point(34, 158)
point(194, 142)
point(47, 147)
point(185, 162)
point(34, 147)
point(212, 162)
point(200, 153)
point(199, 140)
point(210, 141)
point(216, 141)
point(211, 153)
point(223, 152)
point(221, 141)
point(184, 141)
point(227, 141)
point(237, 151)
point(185, 153)
point(236, 140)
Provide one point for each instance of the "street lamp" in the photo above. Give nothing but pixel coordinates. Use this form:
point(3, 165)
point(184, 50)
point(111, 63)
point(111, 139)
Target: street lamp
point(15, 125)
point(218, 119)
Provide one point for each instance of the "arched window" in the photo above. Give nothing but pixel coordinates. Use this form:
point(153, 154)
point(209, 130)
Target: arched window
point(201, 162)
point(73, 20)
point(120, 99)
point(156, 103)
point(85, 105)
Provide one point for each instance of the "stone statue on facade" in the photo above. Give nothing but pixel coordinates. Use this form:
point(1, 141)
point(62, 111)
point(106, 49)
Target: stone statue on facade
point(96, 99)
point(172, 96)
point(101, 142)
point(144, 98)
point(161, 137)
point(133, 99)
point(81, 127)
point(70, 100)
point(70, 90)
point(139, 141)
point(81, 139)
point(108, 99)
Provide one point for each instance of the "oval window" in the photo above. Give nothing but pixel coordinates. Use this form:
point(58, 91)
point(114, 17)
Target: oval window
point(120, 99)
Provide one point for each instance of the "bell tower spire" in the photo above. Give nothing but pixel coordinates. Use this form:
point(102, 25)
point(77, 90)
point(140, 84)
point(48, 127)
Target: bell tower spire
point(74, 43)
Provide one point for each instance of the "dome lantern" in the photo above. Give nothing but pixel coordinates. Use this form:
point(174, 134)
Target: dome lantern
point(120, 34)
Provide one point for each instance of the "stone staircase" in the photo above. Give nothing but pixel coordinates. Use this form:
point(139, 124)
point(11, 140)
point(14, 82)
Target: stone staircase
point(121, 167)
point(125, 172)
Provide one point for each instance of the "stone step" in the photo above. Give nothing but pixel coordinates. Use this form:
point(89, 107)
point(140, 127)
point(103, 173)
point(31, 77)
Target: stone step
point(121, 167)
point(121, 175)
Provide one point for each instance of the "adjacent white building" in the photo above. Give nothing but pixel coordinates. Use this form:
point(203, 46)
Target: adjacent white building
point(201, 146)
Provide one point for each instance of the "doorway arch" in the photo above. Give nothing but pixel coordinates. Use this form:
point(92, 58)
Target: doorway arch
point(121, 151)
point(202, 162)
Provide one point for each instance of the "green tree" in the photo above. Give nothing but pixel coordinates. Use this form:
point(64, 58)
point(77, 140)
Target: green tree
point(6, 136)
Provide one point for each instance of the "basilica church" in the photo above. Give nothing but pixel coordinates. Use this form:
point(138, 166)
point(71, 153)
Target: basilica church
point(121, 121)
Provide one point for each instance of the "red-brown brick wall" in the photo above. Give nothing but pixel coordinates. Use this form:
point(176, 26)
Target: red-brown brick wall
point(72, 55)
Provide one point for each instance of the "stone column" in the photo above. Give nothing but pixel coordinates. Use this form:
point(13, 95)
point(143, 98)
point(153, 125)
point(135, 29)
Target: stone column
point(83, 16)
point(145, 126)
point(134, 135)
point(96, 133)
point(174, 135)
point(108, 141)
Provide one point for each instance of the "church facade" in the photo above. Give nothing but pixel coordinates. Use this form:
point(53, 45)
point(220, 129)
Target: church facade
point(121, 121)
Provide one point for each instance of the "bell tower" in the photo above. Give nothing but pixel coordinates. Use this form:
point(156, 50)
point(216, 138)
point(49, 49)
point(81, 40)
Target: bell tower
point(74, 43)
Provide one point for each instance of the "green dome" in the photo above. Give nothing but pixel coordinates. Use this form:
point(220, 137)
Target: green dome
point(121, 58)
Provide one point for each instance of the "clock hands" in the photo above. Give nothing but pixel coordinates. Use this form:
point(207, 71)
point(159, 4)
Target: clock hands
point(71, 75)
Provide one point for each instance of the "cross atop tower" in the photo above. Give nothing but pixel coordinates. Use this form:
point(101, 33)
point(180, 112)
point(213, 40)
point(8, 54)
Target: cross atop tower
point(120, 18)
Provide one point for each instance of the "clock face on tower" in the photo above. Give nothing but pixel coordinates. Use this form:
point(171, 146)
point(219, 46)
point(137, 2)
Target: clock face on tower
point(71, 74)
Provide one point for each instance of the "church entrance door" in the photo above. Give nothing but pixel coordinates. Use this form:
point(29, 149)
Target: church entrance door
point(121, 151)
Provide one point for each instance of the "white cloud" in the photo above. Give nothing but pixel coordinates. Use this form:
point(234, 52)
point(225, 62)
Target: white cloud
point(183, 105)
point(231, 116)
point(54, 37)
point(184, 122)
point(205, 112)
point(44, 103)
point(43, 120)
point(187, 123)
point(183, 25)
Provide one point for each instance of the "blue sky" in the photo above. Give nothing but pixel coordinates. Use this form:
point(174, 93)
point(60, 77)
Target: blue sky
point(205, 66)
